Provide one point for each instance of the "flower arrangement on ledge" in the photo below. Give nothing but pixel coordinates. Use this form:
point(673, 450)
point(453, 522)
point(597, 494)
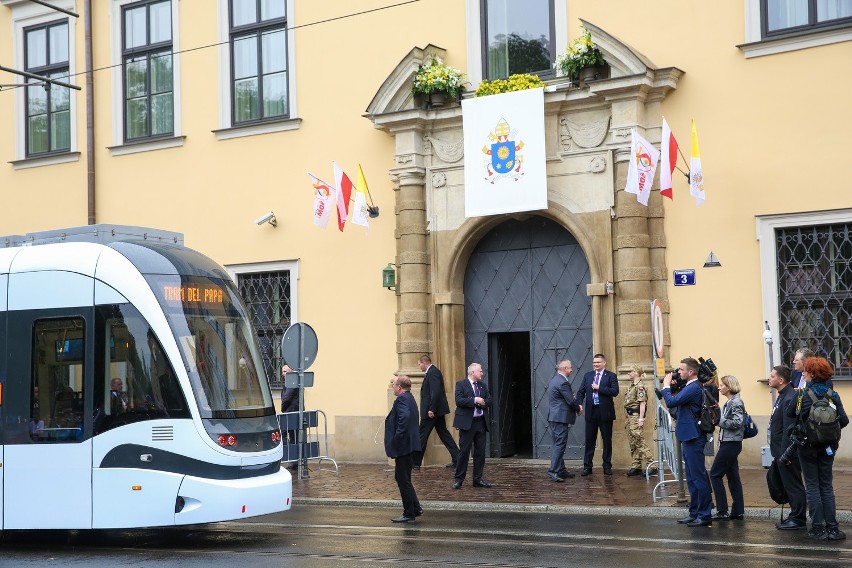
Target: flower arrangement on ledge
point(581, 54)
point(518, 82)
point(437, 77)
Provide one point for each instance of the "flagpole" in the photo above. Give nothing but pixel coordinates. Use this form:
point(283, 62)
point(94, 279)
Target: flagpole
point(687, 172)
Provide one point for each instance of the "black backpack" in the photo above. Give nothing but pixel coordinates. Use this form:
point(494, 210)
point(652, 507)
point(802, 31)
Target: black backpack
point(710, 413)
point(822, 426)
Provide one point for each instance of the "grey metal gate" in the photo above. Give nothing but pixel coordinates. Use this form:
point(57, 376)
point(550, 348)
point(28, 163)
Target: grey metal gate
point(530, 276)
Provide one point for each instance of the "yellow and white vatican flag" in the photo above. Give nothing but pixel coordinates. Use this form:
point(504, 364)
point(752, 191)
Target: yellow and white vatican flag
point(359, 212)
point(696, 176)
point(642, 168)
point(504, 156)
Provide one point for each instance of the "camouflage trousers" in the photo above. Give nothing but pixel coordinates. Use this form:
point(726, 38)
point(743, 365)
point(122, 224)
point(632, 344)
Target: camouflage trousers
point(638, 448)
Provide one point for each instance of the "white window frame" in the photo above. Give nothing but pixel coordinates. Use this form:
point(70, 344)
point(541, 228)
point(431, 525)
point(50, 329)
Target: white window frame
point(274, 266)
point(24, 15)
point(766, 225)
point(226, 129)
point(119, 146)
point(756, 46)
point(473, 11)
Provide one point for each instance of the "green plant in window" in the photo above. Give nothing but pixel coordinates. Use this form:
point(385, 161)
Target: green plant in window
point(579, 55)
point(435, 76)
point(518, 82)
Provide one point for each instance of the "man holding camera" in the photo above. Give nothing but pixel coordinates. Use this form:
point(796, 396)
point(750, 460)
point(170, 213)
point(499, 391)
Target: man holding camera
point(788, 463)
point(687, 403)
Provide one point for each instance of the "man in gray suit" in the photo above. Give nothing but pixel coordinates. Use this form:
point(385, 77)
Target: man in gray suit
point(561, 416)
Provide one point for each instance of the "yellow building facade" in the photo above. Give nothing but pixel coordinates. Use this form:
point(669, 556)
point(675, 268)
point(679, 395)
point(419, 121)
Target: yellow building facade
point(202, 117)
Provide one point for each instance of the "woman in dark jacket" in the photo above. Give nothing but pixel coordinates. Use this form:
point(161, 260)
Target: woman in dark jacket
point(817, 461)
point(731, 426)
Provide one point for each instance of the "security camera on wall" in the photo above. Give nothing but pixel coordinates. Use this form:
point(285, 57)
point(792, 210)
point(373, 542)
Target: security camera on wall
point(268, 218)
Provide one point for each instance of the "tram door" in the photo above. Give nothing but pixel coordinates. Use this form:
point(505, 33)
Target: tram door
point(48, 447)
point(2, 380)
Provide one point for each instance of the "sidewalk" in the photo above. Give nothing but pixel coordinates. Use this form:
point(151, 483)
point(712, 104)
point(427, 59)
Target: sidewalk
point(522, 485)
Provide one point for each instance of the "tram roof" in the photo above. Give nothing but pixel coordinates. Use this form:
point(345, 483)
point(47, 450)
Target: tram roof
point(151, 251)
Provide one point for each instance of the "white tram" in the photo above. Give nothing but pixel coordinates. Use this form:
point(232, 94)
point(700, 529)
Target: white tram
point(132, 392)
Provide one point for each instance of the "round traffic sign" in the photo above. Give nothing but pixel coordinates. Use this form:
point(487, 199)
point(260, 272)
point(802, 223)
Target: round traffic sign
point(299, 346)
point(657, 327)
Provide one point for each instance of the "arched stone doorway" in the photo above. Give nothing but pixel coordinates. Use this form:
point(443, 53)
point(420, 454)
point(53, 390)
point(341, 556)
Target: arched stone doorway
point(526, 308)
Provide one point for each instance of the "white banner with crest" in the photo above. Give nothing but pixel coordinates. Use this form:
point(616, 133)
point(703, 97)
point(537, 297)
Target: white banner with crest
point(504, 156)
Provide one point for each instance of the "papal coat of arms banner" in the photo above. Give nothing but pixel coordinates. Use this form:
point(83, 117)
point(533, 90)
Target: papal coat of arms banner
point(504, 158)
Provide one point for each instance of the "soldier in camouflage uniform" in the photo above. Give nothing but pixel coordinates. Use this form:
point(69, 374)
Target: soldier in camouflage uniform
point(635, 406)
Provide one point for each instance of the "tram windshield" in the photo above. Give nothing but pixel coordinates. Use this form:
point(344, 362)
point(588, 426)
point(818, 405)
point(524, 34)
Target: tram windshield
point(217, 345)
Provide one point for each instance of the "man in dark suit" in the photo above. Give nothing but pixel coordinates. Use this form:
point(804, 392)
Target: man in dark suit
point(779, 440)
point(561, 415)
point(401, 441)
point(117, 397)
point(688, 404)
point(597, 392)
point(472, 402)
point(798, 364)
point(434, 406)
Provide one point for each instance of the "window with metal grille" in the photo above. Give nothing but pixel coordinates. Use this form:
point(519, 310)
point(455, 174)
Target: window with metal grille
point(815, 292)
point(268, 300)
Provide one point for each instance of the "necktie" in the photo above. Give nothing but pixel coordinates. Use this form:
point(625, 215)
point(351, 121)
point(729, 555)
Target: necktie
point(476, 410)
point(595, 400)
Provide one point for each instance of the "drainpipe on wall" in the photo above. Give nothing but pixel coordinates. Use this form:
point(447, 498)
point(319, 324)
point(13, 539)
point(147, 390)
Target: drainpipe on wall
point(90, 112)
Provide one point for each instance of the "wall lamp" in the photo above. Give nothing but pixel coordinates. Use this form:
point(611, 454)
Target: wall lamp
point(267, 218)
point(389, 277)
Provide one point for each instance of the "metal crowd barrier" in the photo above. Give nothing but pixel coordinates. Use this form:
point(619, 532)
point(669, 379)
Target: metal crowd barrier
point(303, 442)
point(666, 450)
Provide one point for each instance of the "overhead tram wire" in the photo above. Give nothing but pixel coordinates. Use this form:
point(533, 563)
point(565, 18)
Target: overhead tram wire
point(221, 43)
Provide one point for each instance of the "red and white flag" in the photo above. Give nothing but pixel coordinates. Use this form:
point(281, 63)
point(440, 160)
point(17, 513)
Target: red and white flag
point(323, 201)
point(344, 191)
point(668, 160)
point(642, 168)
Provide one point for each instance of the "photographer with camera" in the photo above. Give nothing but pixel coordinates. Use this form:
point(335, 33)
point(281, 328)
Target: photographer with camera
point(687, 403)
point(822, 437)
point(783, 448)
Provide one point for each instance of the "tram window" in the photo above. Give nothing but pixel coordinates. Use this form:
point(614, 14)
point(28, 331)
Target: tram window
point(58, 377)
point(136, 382)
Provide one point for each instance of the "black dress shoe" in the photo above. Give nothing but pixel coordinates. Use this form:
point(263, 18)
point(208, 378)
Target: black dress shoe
point(482, 483)
point(451, 465)
point(402, 519)
point(686, 520)
point(736, 517)
point(721, 517)
point(418, 512)
point(415, 467)
point(634, 471)
point(790, 525)
point(457, 485)
point(701, 523)
point(586, 471)
point(607, 471)
point(566, 474)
